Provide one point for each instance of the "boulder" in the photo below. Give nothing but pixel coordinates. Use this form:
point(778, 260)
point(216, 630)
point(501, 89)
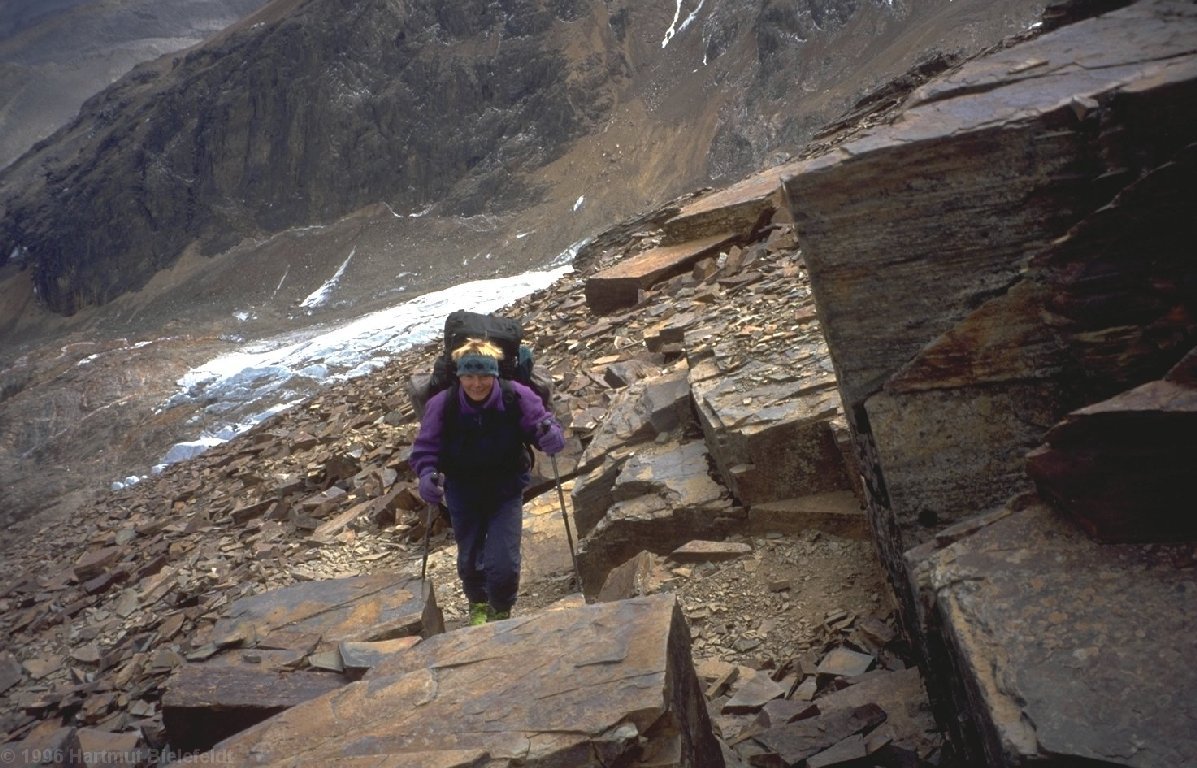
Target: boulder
point(771, 425)
point(1064, 651)
point(620, 285)
point(591, 686)
point(379, 606)
point(743, 207)
point(633, 578)
point(648, 408)
point(662, 496)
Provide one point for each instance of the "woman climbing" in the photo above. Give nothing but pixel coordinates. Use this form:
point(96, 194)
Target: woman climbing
point(470, 455)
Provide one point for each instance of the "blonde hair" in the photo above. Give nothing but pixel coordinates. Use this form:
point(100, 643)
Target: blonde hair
point(477, 347)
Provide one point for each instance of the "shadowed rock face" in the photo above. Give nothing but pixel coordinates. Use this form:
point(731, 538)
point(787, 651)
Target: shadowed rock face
point(56, 54)
point(1024, 208)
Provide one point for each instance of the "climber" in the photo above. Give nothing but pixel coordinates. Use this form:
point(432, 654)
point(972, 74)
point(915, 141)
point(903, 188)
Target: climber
point(471, 454)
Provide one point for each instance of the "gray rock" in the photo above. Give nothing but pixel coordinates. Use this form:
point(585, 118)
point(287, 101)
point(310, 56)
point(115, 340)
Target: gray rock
point(662, 497)
point(648, 408)
point(769, 425)
point(801, 739)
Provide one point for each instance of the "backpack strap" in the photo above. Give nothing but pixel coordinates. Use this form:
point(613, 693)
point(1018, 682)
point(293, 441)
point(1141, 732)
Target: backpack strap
point(511, 404)
point(511, 407)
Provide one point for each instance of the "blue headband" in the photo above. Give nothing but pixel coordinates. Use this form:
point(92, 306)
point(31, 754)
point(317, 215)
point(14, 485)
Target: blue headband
point(477, 365)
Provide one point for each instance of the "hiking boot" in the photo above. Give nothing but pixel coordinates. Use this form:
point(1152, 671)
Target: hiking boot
point(479, 614)
point(500, 615)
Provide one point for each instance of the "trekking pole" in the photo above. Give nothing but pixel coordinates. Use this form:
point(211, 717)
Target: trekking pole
point(432, 513)
point(568, 534)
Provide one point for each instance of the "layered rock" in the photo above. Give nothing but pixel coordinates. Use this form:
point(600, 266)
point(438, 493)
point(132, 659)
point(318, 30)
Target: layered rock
point(1027, 211)
point(660, 496)
point(1065, 649)
point(542, 691)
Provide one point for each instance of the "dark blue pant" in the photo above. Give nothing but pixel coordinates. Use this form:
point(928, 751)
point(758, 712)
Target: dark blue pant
point(487, 531)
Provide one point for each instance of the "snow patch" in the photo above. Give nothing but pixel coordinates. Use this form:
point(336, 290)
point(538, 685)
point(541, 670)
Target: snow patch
point(321, 295)
point(271, 375)
point(674, 27)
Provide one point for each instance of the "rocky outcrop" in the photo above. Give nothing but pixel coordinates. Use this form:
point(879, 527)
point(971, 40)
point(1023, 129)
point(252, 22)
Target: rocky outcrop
point(1064, 648)
point(541, 691)
point(1026, 210)
point(1121, 468)
point(662, 495)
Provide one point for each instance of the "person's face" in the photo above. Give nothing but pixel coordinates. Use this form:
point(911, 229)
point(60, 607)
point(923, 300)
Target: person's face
point(477, 386)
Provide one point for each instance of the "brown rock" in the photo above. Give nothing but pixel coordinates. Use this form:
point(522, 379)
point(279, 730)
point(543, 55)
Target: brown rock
point(751, 691)
point(619, 286)
point(205, 703)
point(698, 551)
point(836, 512)
point(800, 740)
point(95, 562)
point(380, 606)
point(358, 657)
point(631, 579)
point(845, 662)
point(901, 695)
point(627, 691)
point(1123, 468)
point(781, 711)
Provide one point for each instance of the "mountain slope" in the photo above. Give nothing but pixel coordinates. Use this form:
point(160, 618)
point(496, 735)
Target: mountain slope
point(313, 109)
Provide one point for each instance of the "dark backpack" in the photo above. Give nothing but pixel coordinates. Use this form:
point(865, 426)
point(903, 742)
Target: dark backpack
point(505, 333)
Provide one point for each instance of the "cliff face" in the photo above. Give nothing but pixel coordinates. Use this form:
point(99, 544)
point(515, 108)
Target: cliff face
point(1018, 410)
point(313, 109)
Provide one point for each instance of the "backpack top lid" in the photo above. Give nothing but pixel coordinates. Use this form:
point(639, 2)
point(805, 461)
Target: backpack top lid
point(507, 334)
point(503, 332)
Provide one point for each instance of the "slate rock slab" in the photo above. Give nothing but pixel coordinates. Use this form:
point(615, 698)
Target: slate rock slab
point(379, 606)
point(1123, 469)
point(205, 703)
point(795, 742)
point(1065, 650)
point(595, 685)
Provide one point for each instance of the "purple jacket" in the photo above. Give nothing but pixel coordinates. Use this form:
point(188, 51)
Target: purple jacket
point(425, 451)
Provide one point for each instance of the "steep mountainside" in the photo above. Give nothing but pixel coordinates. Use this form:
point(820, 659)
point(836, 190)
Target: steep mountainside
point(313, 109)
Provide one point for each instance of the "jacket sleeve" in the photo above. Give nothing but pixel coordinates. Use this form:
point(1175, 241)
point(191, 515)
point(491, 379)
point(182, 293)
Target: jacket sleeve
point(532, 410)
point(426, 450)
